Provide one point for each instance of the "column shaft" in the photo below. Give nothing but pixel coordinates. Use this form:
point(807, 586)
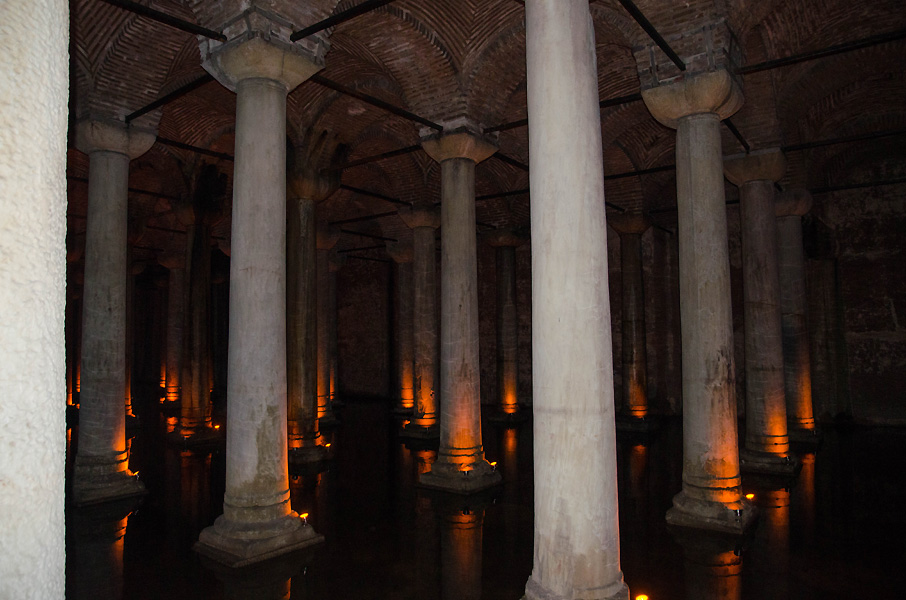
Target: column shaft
point(405, 336)
point(506, 329)
point(576, 548)
point(323, 327)
point(195, 409)
point(424, 287)
point(332, 342)
point(175, 318)
point(635, 363)
point(765, 403)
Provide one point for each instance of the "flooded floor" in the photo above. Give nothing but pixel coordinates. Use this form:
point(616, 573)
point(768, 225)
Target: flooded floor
point(834, 532)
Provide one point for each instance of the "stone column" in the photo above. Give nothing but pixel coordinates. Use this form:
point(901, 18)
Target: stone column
point(423, 222)
point(402, 256)
point(302, 333)
point(711, 497)
point(176, 302)
point(461, 466)
point(33, 114)
point(577, 537)
point(631, 226)
point(326, 240)
point(766, 443)
point(257, 521)
point(335, 263)
point(101, 470)
point(505, 243)
point(797, 375)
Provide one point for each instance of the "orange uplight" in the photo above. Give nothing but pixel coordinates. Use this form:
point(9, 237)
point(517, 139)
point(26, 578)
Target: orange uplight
point(327, 445)
point(750, 496)
point(642, 597)
point(216, 426)
point(303, 516)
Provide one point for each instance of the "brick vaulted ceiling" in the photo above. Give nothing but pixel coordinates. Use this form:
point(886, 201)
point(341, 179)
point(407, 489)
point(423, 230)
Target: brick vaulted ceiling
point(442, 59)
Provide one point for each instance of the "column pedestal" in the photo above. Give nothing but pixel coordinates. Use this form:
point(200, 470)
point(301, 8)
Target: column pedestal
point(711, 497)
point(101, 472)
point(461, 466)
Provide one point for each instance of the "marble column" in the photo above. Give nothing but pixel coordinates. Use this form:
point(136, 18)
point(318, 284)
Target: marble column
point(257, 521)
point(577, 534)
point(302, 333)
point(791, 206)
point(335, 263)
point(101, 471)
point(766, 443)
point(711, 497)
point(423, 222)
point(630, 227)
point(402, 256)
point(461, 466)
point(176, 303)
point(326, 240)
point(504, 243)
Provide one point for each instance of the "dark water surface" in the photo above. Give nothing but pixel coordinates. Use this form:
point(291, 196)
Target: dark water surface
point(836, 532)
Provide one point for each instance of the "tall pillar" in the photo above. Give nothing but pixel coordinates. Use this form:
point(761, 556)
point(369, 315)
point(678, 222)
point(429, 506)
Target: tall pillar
point(423, 222)
point(766, 443)
point(461, 466)
point(302, 334)
point(577, 536)
point(797, 375)
point(33, 113)
point(335, 263)
point(326, 240)
point(101, 470)
point(176, 300)
point(631, 226)
point(402, 256)
point(505, 243)
point(711, 497)
point(257, 521)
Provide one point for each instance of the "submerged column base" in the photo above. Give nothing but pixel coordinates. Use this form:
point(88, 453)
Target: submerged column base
point(236, 544)
point(308, 453)
point(414, 429)
point(805, 436)
point(617, 591)
point(98, 479)
point(451, 477)
point(634, 424)
point(518, 415)
point(768, 463)
point(731, 517)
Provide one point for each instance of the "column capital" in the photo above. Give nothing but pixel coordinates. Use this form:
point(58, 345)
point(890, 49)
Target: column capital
point(400, 252)
point(712, 92)
point(761, 165)
point(113, 136)
point(629, 223)
point(793, 202)
point(326, 238)
point(503, 237)
point(459, 139)
point(420, 217)
point(256, 56)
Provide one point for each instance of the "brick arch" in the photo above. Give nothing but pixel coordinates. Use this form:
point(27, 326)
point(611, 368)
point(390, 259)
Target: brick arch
point(625, 192)
point(494, 72)
point(613, 24)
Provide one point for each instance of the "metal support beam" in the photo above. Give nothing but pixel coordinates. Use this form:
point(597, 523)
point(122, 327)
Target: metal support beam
point(640, 172)
point(131, 190)
point(160, 17)
point(175, 94)
point(374, 195)
point(502, 194)
point(510, 161)
point(824, 52)
point(857, 186)
point(653, 33)
point(348, 91)
point(355, 11)
point(377, 157)
point(607, 103)
point(843, 140)
point(362, 248)
point(372, 259)
point(737, 135)
point(195, 149)
point(369, 235)
point(365, 218)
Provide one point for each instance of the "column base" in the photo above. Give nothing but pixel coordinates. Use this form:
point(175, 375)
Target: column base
point(239, 544)
point(401, 411)
point(449, 478)
point(715, 516)
point(766, 463)
point(314, 453)
point(101, 479)
point(521, 415)
point(805, 437)
point(631, 424)
point(420, 432)
point(204, 436)
point(328, 421)
point(617, 591)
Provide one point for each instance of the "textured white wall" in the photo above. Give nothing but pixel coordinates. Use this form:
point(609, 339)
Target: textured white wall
point(33, 94)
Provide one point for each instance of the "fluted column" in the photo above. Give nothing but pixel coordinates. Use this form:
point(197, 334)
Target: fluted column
point(402, 256)
point(766, 443)
point(505, 242)
point(101, 470)
point(460, 466)
point(577, 535)
point(326, 240)
point(257, 521)
point(797, 376)
point(423, 222)
point(176, 300)
point(711, 497)
point(631, 226)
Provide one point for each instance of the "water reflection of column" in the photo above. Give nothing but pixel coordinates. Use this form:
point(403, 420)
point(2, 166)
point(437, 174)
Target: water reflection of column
point(805, 496)
point(769, 558)
point(95, 551)
point(712, 567)
point(268, 580)
point(460, 553)
point(426, 535)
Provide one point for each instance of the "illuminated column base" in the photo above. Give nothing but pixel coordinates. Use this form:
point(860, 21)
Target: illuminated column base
point(304, 445)
point(97, 479)
point(461, 471)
